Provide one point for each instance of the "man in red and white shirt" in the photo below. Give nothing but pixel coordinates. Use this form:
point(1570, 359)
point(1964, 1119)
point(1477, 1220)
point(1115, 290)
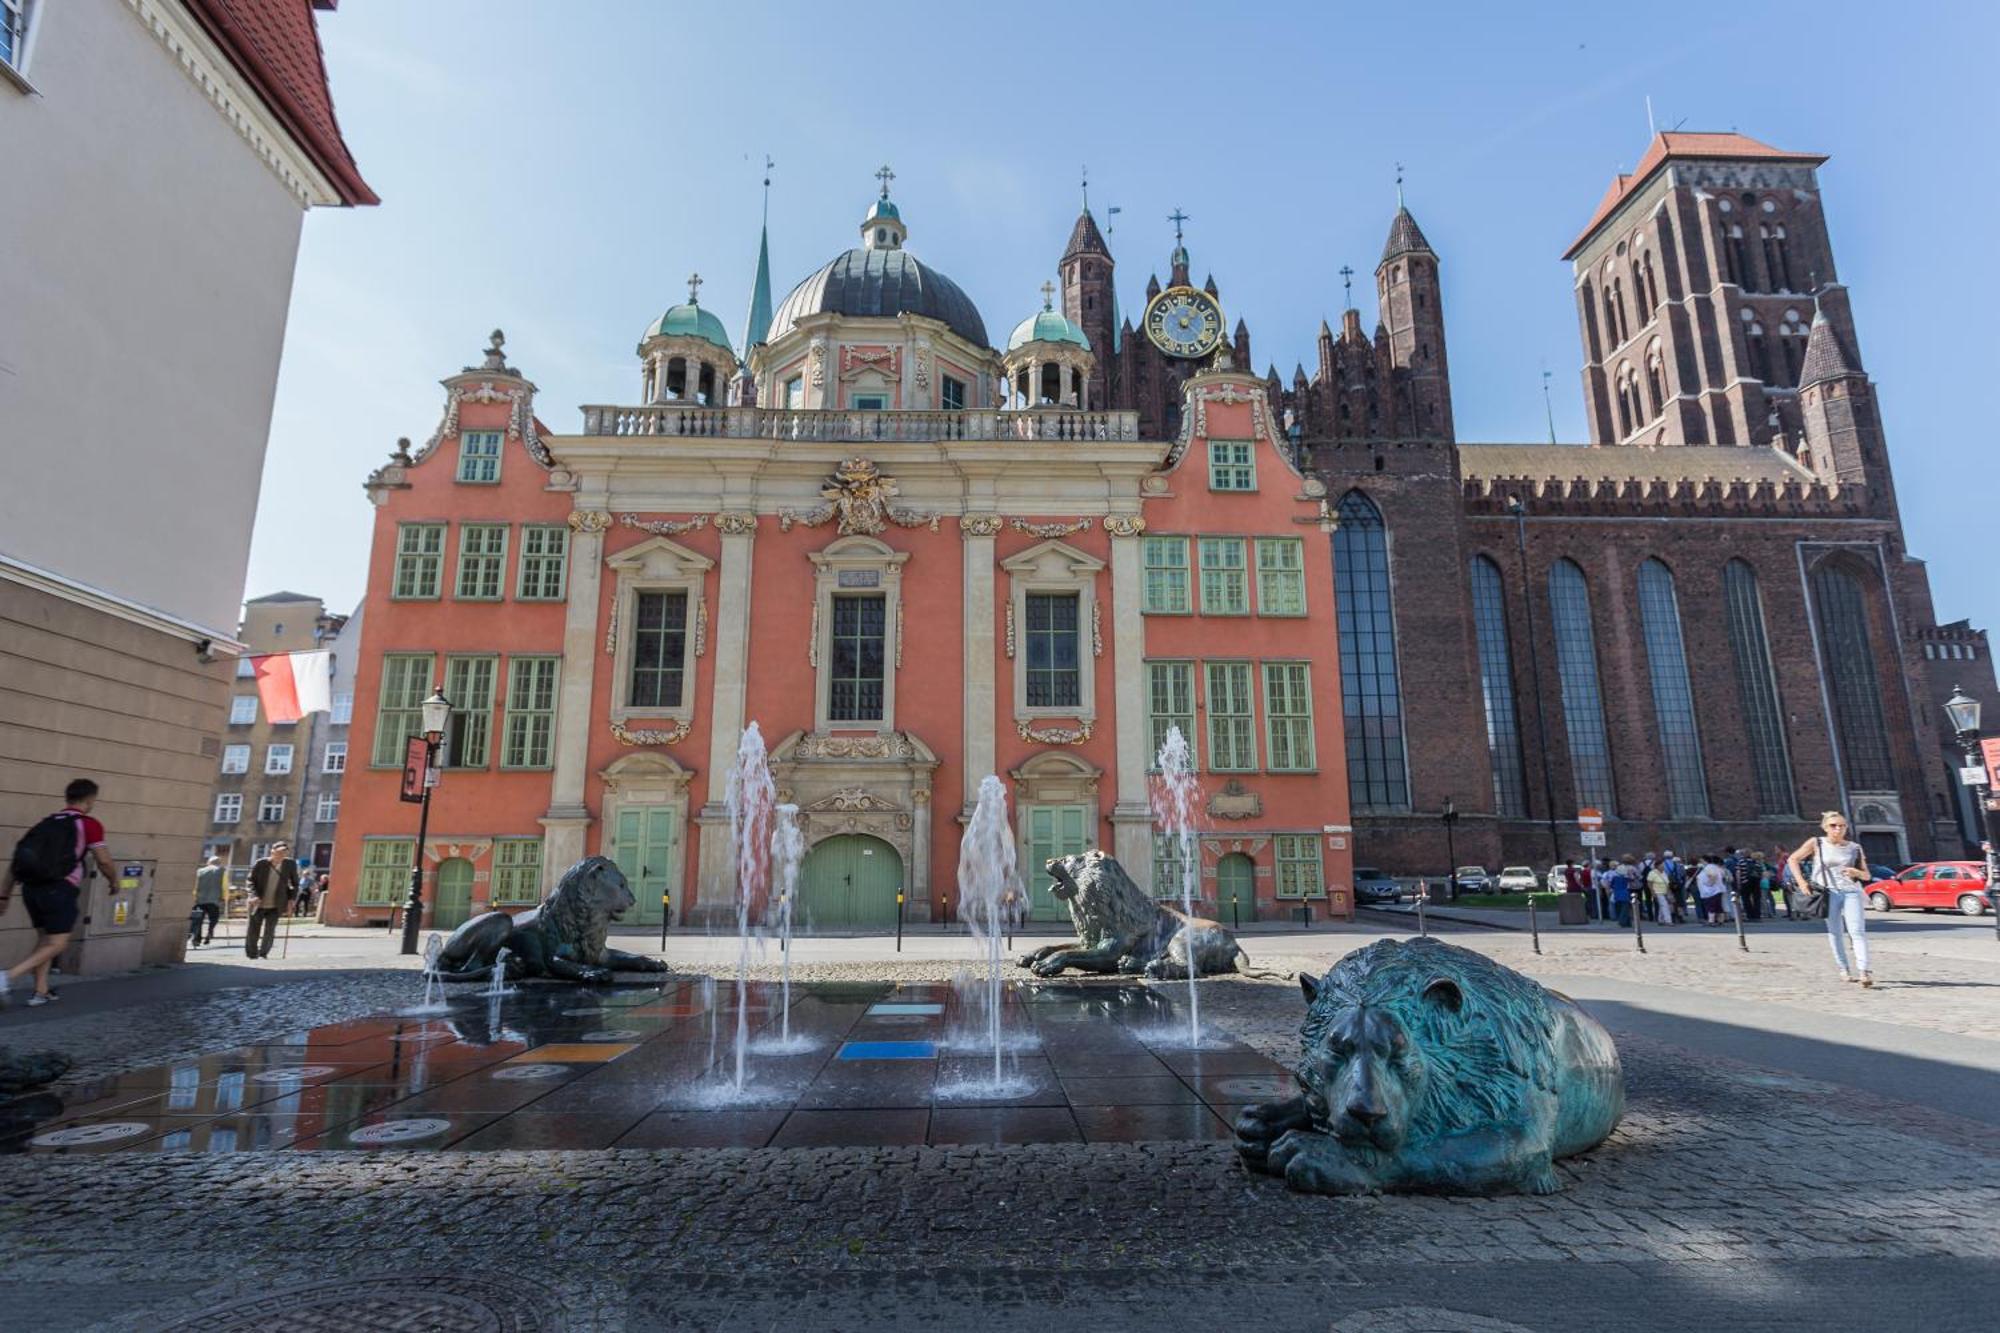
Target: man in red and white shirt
point(53, 903)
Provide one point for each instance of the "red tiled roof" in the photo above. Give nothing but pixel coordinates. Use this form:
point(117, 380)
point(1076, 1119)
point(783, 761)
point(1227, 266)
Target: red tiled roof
point(1672, 144)
point(275, 45)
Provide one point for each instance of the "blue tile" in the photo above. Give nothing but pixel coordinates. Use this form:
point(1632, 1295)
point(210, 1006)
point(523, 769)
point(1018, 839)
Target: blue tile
point(879, 1010)
point(888, 1050)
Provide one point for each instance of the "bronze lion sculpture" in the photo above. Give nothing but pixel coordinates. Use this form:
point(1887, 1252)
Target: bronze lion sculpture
point(1432, 1069)
point(1119, 929)
point(563, 938)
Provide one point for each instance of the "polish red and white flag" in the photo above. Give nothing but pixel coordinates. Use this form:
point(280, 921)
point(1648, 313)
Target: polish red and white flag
point(290, 685)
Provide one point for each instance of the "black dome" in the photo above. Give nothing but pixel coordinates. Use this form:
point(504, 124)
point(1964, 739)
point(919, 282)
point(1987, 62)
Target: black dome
point(880, 282)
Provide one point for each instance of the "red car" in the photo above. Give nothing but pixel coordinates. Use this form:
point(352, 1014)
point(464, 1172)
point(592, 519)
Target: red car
point(1958, 884)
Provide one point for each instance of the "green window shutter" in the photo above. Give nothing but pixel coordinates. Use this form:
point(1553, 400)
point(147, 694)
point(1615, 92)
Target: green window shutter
point(479, 456)
point(1281, 576)
point(531, 711)
point(468, 683)
point(544, 561)
point(1288, 730)
point(385, 871)
point(1232, 465)
point(1166, 582)
point(419, 561)
point(482, 562)
point(517, 871)
point(1232, 740)
point(1225, 587)
point(1170, 703)
point(1298, 861)
point(406, 680)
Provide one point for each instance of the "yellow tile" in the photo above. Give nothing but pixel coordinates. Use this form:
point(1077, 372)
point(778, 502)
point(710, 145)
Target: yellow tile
point(574, 1053)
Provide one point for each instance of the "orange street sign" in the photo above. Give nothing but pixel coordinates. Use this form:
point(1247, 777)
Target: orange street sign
point(1589, 819)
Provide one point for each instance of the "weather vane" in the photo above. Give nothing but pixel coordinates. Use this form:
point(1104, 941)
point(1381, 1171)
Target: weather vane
point(1086, 189)
point(885, 176)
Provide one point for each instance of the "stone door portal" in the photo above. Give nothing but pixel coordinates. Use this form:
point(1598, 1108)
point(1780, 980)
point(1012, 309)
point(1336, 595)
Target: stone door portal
point(848, 882)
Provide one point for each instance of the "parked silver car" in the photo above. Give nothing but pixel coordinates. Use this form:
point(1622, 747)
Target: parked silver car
point(1518, 879)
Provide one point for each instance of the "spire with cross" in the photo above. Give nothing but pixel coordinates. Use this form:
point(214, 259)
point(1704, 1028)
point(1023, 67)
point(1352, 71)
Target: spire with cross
point(1048, 296)
point(1086, 189)
point(694, 288)
point(1177, 218)
point(1347, 281)
point(885, 175)
point(1399, 185)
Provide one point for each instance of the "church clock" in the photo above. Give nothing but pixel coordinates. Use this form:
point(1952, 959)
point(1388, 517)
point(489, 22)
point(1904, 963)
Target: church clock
point(1184, 322)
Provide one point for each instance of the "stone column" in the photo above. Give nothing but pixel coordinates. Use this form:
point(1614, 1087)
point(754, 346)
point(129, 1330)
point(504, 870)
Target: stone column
point(981, 719)
point(1131, 815)
point(568, 820)
point(730, 642)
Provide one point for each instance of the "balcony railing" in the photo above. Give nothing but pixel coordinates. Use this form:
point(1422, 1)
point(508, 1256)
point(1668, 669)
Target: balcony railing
point(689, 421)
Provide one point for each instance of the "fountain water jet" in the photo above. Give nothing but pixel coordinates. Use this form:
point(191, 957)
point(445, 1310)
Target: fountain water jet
point(1176, 793)
point(750, 799)
point(986, 896)
point(433, 983)
point(788, 850)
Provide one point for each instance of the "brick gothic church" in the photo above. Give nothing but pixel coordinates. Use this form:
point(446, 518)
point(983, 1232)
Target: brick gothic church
point(1729, 631)
point(1705, 624)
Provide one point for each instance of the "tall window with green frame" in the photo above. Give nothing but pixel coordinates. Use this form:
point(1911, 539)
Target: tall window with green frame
point(1170, 703)
point(419, 562)
point(1299, 870)
point(399, 715)
point(1170, 867)
point(1232, 730)
point(482, 562)
point(517, 871)
point(1281, 576)
point(468, 683)
point(385, 871)
point(544, 562)
point(531, 712)
point(1166, 583)
point(1232, 465)
point(1288, 717)
point(1225, 586)
point(479, 456)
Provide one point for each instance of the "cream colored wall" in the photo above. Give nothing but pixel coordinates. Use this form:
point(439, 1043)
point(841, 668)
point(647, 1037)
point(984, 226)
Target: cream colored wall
point(149, 255)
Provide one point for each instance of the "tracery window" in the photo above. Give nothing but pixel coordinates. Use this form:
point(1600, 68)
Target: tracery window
point(1673, 695)
point(1757, 690)
point(1377, 765)
point(1583, 701)
point(1847, 656)
point(1496, 679)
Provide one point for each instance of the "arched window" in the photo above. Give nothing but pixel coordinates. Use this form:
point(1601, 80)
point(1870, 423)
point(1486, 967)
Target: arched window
point(1611, 338)
point(1760, 352)
point(1371, 702)
point(1792, 335)
point(1652, 284)
point(1496, 679)
point(1639, 294)
point(1583, 703)
point(1656, 378)
point(1757, 691)
point(1673, 696)
point(1777, 262)
point(1590, 319)
point(1739, 261)
point(1847, 657)
point(1625, 413)
point(1618, 309)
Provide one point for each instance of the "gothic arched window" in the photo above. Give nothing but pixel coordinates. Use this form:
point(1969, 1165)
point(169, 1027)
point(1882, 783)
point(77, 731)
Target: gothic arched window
point(1590, 319)
point(1583, 702)
point(1760, 353)
point(1371, 698)
point(1618, 309)
point(1496, 679)
point(1757, 690)
point(1847, 656)
point(1792, 343)
point(1656, 378)
point(1777, 262)
point(1625, 413)
point(1652, 284)
point(1739, 260)
point(1639, 295)
point(1673, 696)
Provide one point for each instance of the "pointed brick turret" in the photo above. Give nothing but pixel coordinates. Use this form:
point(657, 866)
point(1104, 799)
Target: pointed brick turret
point(1405, 237)
point(1085, 238)
point(1827, 354)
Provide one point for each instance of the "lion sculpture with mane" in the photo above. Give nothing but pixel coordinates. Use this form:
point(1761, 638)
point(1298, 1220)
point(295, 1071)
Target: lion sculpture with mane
point(1432, 1069)
point(1121, 930)
point(563, 938)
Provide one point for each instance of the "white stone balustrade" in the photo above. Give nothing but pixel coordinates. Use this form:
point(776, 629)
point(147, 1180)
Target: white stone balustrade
point(692, 421)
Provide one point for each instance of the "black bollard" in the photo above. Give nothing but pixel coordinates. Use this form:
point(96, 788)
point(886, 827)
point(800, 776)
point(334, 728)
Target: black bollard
point(1736, 907)
point(666, 915)
point(1423, 924)
point(899, 920)
point(1534, 930)
point(1233, 921)
point(1638, 922)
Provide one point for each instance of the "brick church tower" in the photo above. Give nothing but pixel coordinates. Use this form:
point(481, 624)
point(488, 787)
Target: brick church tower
point(1089, 300)
point(1410, 301)
point(1695, 284)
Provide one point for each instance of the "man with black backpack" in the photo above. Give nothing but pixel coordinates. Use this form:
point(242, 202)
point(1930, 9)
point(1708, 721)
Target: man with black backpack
point(48, 865)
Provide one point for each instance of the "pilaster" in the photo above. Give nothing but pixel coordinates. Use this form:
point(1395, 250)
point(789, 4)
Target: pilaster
point(1131, 816)
point(716, 871)
point(568, 820)
point(979, 530)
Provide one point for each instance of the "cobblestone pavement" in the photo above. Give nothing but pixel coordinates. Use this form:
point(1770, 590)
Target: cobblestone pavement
point(1728, 1194)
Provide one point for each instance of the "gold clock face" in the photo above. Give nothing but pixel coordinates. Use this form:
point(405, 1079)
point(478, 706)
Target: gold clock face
point(1184, 322)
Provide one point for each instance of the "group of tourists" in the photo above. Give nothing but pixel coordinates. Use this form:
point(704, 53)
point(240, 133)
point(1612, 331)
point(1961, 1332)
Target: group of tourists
point(1827, 875)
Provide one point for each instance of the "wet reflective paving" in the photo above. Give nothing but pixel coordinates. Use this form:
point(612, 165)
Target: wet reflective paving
point(655, 1067)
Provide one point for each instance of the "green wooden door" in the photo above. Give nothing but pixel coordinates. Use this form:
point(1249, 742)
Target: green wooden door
point(646, 846)
point(454, 894)
point(849, 882)
point(1235, 884)
point(1053, 830)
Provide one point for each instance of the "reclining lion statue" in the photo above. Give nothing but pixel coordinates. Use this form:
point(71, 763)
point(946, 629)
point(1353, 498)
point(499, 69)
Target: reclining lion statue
point(563, 938)
point(1433, 1069)
point(1119, 929)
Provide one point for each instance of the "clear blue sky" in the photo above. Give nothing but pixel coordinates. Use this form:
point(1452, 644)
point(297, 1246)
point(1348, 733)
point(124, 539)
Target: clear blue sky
point(557, 170)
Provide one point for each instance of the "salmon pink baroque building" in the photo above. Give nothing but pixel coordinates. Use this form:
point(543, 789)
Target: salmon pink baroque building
point(913, 558)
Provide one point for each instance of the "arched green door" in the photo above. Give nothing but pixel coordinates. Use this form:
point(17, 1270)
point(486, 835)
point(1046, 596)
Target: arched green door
point(454, 894)
point(1235, 888)
point(849, 882)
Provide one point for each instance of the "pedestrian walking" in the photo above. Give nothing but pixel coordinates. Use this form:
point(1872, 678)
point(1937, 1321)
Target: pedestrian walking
point(1839, 870)
point(1740, 870)
point(274, 882)
point(48, 866)
point(308, 886)
point(208, 883)
point(1624, 883)
point(1663, 895)
point(1710, 884)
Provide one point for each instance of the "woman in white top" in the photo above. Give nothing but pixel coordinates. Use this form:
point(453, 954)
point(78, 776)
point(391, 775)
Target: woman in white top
point(1711, 884)
point(1839, 870)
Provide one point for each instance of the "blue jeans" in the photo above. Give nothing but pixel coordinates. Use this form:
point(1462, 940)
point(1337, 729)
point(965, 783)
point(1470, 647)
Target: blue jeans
point(1844, 917)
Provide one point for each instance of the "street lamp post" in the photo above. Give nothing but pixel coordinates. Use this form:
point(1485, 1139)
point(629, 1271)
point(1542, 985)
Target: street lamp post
point(1450, 817)
point(436, 712)
point(1963, 710)
point(1520, 513)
